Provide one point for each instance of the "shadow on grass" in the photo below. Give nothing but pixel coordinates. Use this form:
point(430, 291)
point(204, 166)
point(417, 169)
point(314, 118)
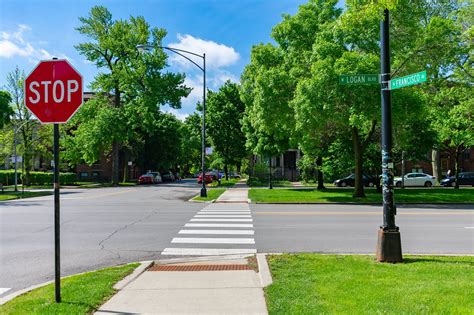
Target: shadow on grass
point(467, 261)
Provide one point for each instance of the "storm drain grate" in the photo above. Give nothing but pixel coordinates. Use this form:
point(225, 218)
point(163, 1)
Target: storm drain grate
point(198, 268)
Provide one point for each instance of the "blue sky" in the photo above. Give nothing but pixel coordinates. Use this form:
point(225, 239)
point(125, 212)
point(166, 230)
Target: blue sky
point(224, 29)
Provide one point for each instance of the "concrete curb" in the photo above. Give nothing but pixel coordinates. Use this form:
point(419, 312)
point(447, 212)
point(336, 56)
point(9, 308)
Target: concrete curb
point(199, 201)
point(138, 271)
point(264, 270)
point(13, 295)
point(362, 203)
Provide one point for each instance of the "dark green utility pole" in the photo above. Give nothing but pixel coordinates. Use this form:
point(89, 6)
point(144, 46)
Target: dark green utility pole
point(389, 248)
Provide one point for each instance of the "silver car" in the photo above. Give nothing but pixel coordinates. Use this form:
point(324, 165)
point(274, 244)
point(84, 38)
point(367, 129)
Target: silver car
point(415, 179)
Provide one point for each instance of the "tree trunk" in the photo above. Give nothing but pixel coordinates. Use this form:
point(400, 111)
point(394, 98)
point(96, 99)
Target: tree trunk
point(126, 167)
point(226, 171)
point(319, 164)
point(115, 163)
point(436, 164)
point(456, 169)
point(359, 185)
point(115, 143)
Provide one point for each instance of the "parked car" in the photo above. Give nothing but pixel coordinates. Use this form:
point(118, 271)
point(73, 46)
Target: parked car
point(415, 179)
point(168, 176)
point(464, 178)
point(350, 181)
point(208, 178)
point(215, 175)
point(150, 178)
point(234, 175)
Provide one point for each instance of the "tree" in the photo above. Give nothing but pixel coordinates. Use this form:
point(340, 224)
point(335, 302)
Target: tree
point(23, 121)
point(5, 109)
point(131, 87)
point(225, 111)
point(191, 147)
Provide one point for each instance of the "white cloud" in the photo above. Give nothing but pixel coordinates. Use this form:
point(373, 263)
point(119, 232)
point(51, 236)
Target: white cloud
point(14, 44)
point(217, 55)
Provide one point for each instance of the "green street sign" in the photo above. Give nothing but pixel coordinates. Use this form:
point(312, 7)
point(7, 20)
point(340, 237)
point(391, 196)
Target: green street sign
point(359, 79)
point(408, 80)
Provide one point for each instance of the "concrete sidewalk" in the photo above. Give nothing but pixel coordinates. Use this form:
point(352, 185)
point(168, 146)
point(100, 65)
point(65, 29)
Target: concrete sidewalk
point(236, 194)
point(234, 289)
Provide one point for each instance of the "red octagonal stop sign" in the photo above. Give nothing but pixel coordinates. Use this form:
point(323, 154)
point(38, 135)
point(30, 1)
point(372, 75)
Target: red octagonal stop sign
point(53, 91)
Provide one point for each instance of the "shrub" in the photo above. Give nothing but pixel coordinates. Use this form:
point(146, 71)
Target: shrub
point(37, 178)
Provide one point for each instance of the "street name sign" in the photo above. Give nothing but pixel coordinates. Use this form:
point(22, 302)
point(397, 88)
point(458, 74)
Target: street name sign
point(408, 80)
point(53, 91)
point(359, 79)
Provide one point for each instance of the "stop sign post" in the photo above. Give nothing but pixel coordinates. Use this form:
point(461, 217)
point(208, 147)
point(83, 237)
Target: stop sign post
point(53, 93)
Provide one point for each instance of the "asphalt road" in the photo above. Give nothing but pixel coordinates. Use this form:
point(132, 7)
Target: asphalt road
point(99, 227)
point(353, 228)
point(110, 226)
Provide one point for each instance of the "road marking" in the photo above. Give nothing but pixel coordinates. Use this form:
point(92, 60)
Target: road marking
point(98, 196)
point(207, 240)
point(222, 216)
point(224, 212)
point(3, 290)
point(469, 227)
point(223, 225)
point(223, 232)
point(359, 213)
point(207, 251)
point(221, 220)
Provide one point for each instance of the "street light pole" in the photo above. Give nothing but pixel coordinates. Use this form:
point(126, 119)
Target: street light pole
point(203, 162)
point(389, 248)
point(15, 130)
point(181, 52)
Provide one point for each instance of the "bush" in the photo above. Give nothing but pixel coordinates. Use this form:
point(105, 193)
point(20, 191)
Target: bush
point(37, 178)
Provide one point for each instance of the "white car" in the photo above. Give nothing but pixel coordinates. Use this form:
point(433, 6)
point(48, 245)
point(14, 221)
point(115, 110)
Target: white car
point(415, 179)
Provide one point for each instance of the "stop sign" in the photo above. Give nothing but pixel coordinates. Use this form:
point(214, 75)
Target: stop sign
point(53, 91)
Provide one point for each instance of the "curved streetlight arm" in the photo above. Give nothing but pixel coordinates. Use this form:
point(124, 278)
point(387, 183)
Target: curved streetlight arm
point(176, 51)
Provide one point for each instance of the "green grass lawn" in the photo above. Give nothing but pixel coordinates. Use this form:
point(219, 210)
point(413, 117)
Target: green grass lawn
point(264, 183)
point(81, 294)
point(212, 194)
point(224, 183)
point(332, 284)
point(27, 194)
point(412, 195)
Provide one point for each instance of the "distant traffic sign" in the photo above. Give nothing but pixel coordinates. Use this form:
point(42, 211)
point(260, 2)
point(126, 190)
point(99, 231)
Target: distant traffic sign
point(408, 80)
point(359, 79)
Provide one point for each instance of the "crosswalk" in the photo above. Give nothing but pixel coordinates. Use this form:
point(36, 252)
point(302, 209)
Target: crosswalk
point(218, 229)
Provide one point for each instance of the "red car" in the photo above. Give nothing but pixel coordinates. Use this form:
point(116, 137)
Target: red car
point(208, 178)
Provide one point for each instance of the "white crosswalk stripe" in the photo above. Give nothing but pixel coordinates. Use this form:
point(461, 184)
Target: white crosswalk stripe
point(3, 290)
point(211, 240)
point(218, 232)
point(222, 216)
point(215, 230)
point(223, 225)
point(207, 251)
point(221, 220)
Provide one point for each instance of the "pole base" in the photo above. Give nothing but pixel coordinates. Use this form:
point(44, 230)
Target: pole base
point(203, 192)
point(389, 247)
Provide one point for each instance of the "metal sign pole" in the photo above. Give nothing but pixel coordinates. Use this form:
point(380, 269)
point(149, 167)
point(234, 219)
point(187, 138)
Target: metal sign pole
point(57, 266)
point(388, 244)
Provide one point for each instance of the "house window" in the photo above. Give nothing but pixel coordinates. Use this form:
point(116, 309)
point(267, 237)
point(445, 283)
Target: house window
point(289, 160)
point(95, 174)
point(84, 175)
point(277, 161)
point(466, 154)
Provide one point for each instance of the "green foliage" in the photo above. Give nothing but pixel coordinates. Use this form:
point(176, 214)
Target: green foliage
point(5, 109)
point(131, 88)
point(191, 147)
point(37, 178)
point(224, 115)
